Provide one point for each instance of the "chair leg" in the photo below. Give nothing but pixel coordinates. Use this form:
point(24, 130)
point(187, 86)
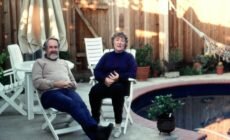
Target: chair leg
point(128, 117)
point(11, 101)
point(50, 126)
point(50, 119)
point(50, 116)
point(56, 132)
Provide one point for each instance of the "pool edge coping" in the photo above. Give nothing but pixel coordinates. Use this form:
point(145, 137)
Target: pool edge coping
point(170, 82)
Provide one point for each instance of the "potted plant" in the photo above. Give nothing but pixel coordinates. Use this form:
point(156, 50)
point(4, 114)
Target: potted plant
point(219, 68)
point(144, 59)
point(199, 62)
point(156, 68)
point(162, 111)
point(175, 57)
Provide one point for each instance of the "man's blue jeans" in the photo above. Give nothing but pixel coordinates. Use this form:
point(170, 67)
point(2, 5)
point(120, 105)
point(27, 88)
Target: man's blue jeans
point(67, 100)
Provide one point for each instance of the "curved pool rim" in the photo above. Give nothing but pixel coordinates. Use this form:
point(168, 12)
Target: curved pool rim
point(167, 83)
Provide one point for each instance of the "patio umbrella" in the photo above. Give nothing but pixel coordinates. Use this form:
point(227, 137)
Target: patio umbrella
point(39, 20)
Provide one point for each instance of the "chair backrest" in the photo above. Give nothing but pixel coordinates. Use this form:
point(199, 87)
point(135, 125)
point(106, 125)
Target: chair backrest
point(94, 51)
point(16, 58)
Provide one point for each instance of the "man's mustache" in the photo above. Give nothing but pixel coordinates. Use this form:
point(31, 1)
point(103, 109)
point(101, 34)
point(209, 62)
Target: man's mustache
point(53, 52)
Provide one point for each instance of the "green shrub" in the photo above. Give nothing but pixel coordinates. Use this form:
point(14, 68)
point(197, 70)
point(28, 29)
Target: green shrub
point(3, 57)
point(175, 57)
point(163, 105)
point(188, 70)
point(144, 55)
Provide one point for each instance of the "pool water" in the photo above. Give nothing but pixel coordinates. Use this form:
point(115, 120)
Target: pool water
point(204, 104)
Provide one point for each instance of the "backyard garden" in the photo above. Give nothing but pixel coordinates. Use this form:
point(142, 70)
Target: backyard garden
point(174, 42)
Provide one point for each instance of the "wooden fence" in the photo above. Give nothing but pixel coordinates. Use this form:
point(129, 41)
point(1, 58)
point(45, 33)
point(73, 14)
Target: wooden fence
point(140, 20)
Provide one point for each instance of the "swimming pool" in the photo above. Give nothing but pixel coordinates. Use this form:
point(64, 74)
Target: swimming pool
point(204, 103)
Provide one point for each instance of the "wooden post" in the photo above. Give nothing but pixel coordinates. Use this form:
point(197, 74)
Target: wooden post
point(111, 18)
point(163, 30)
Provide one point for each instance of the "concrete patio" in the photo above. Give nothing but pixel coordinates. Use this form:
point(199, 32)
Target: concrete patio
point(14, 126)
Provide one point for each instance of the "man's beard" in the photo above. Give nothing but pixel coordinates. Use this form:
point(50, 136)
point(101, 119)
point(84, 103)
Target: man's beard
point(53, 56)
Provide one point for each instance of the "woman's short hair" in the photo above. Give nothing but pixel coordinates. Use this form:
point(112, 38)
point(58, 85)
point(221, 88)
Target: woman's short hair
point(45, 45)
point(121, 35)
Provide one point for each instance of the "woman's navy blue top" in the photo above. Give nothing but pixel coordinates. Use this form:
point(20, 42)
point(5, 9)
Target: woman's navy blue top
point(123, 63)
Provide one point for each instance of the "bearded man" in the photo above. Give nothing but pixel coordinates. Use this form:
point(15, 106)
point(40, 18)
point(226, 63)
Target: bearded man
point(56, 85)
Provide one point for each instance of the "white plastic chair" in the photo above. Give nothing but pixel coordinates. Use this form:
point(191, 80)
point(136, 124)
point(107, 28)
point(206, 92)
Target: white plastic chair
point(16, 58)
point(128, 99)
point(51, 115)
point(94, 51)
point(10, 93)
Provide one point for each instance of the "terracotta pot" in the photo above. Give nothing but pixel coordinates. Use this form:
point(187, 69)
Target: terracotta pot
point(219, 69)
point(143, 73)
point(166, 124)
point(197, 66)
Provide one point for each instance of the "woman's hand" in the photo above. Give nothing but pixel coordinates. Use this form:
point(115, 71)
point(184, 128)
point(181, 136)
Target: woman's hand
point(108, 81)
point(114, 76)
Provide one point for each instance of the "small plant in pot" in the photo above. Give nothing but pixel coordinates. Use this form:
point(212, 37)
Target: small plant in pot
point(162, 111)
point(220, 68)
point(199, 62)
point(144, 60)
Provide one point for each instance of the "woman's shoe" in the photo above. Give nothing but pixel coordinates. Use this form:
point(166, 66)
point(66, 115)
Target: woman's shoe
point(117, 132)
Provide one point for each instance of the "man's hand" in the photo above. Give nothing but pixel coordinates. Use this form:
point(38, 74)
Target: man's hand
point(63, 84)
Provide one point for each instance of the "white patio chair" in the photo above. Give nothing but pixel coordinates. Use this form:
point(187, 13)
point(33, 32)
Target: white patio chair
point(51, 115)
point(94, 51)
point(16, 58)
point(128, 99)
point(10, 93)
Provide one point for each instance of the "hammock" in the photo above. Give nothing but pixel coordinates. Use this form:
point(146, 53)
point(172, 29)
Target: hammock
point(211, 47)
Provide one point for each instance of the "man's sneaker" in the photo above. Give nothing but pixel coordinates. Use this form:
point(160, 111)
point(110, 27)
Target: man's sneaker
point(117, 132)
point(103, 132)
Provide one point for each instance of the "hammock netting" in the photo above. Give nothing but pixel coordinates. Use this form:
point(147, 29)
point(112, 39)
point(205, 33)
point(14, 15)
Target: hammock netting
point(211, 47)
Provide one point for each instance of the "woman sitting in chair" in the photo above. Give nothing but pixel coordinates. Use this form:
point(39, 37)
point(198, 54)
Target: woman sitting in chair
point(112, 73)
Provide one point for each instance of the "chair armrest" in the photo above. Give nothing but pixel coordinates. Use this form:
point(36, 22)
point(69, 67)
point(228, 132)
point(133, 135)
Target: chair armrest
point(132, 80)
point(8, 72)
point(129, 79)
point(92, 78)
